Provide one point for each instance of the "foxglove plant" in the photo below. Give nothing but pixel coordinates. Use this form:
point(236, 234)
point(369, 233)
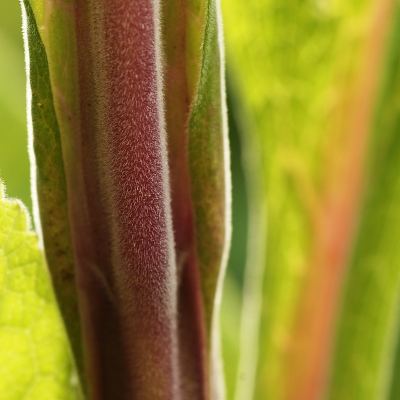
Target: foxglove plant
point(130, 169)
point(131, 184)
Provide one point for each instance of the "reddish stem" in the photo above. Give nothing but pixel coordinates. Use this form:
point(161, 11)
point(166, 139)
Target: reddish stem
point(126, 269)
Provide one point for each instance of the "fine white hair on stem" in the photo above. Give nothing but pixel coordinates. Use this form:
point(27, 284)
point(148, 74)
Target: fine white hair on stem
point(166, 189)
point(31, 152)
point(216, 370)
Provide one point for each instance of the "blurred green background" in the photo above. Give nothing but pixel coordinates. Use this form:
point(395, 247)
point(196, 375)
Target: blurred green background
point(14, 162)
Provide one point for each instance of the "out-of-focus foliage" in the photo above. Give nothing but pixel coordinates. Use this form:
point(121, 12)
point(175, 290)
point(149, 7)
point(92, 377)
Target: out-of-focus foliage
point(14, 164)
point(318, 80)
point(369, 323)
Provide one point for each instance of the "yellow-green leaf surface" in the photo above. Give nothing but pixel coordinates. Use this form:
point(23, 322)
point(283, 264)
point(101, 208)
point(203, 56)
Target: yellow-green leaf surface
point(310, 76)
point(34, 358)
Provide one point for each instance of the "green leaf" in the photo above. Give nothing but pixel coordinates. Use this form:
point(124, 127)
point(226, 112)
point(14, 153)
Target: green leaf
point(199, 179)
point(49, 183)
point(210, 179)
point(35, 362)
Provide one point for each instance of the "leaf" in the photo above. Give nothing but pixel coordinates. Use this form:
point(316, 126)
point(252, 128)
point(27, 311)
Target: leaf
point(211, 183)
point(34, 359)
point(200, 179)
point(182, 35)
point(49, 184)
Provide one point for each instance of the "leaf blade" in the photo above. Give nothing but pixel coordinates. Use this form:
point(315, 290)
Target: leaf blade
point(49, 184)
point(35, 360)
